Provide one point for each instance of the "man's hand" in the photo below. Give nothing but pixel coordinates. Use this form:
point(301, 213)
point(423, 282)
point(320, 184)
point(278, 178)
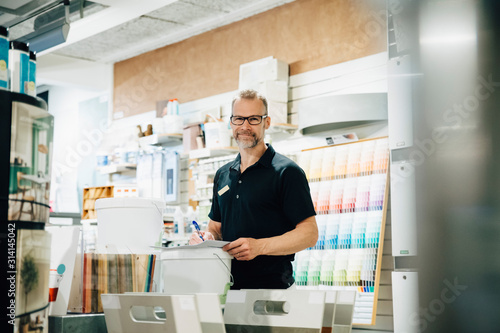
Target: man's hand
point(195, 238)
point(245, 248)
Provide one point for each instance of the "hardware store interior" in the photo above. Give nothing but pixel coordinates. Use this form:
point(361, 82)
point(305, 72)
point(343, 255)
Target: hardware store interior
point(249, 166)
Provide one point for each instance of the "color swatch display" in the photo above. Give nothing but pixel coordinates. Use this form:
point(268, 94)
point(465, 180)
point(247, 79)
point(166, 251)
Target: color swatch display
point(113, 274)
point(348, 187)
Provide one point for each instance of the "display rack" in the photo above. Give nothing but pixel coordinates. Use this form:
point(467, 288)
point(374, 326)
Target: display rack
point(212, 152)
point(349, 188)
point(164, 139)
point(117, 168)
point(279, 128)
point(90, 195)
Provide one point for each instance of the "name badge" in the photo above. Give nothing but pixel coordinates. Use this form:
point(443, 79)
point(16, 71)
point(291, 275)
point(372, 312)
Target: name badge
point(223, 190)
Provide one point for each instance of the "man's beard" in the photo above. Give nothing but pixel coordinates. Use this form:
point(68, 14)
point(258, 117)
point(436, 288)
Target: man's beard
point(244, 144)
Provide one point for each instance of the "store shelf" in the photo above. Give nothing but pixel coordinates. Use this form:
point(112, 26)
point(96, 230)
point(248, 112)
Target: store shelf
point(205, 172)
point(280, 128)
point(89, 221)
point(117, 168)
point(210, 185)
point(212, 152)
point(164, 139)
point(177, 238)
point(204, 198)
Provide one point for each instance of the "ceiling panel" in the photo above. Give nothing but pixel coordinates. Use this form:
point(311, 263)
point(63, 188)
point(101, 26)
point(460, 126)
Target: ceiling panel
point(137, 29)
point(185, 13)
point(222, 5)
point(112, 42)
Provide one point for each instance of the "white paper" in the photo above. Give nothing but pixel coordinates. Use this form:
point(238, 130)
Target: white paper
point(207, 243)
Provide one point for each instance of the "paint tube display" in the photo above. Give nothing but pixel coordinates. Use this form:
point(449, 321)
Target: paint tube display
point(4, 58)
point(19, 66)
point(32, 74)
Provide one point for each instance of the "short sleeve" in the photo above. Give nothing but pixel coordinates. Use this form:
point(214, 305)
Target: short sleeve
point(215, 214)
point(296, 195)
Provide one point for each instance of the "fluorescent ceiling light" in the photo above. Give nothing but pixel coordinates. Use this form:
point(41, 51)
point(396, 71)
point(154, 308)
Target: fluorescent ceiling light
point(48, 35)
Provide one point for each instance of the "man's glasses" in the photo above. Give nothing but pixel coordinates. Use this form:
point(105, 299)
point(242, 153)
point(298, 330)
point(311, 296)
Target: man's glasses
point(252, 120)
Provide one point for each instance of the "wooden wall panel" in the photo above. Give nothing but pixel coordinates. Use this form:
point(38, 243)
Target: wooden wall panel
point(307, 34)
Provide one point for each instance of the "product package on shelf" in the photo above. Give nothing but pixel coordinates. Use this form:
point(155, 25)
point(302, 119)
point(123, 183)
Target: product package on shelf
point(348, 186)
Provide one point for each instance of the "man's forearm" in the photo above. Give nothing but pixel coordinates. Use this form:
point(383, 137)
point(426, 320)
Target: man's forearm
point(215, 229)
point(303, 236)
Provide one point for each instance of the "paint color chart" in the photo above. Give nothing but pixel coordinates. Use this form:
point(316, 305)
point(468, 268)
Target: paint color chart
point(348, 187)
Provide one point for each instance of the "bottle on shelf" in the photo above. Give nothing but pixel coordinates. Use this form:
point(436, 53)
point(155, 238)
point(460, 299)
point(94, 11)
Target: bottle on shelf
point(175, 107)
point(31, 85)
point(190, 217)
point(18, 65)
point(179, 222)
point(4, 58)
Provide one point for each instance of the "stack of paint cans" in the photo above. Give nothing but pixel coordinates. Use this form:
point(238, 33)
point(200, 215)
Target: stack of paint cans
point(17, 65)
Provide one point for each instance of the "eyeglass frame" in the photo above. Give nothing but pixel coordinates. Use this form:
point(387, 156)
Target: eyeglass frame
point(262, 117)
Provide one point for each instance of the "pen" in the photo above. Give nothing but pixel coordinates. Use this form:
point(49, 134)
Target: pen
point(198, 230)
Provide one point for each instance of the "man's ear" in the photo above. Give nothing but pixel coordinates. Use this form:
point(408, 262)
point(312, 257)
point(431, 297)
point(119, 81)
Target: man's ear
point(267, 122)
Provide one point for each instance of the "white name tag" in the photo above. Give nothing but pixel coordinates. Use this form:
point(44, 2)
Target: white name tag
point(223, 190)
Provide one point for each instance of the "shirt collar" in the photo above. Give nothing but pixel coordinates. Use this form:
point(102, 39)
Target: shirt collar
point(264, 160)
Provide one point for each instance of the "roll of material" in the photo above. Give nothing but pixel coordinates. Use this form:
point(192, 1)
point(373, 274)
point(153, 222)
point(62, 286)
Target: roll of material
point(19, 66)
point(32, 75)
point(4, 58)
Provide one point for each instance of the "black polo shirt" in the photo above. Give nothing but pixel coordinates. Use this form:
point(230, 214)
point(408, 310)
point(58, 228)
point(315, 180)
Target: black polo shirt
point(270, 198)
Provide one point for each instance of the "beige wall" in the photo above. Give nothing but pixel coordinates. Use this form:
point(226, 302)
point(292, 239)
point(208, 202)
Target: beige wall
point(307, 34)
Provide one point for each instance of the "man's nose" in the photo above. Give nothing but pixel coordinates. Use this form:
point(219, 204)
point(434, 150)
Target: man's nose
point(246, 124)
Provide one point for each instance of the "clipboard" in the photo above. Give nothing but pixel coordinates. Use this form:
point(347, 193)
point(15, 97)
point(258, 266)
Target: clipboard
point(202, 245)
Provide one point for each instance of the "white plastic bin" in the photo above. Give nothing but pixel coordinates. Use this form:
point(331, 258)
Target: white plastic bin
point(128, 225)
point(217, 135)
point(189, 271)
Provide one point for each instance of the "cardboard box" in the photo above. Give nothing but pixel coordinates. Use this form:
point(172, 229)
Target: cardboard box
point(266, 69)
point(278, 112)
point(189, 135)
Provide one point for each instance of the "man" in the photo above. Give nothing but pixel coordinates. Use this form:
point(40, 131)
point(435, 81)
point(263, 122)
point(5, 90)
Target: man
point(261, 204)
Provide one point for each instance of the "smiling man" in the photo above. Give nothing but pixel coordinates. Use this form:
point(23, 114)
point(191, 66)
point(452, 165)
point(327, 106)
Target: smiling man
point(261, 203)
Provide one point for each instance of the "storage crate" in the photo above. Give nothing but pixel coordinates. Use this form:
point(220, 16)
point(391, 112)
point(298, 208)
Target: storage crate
point(90, 195)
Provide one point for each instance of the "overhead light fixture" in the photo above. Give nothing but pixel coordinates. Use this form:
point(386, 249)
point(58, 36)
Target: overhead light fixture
point(341, 111)
point(48, 35)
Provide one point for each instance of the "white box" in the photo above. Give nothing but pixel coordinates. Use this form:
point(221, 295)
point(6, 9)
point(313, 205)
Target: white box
point(278, 112)
point(403, 209)
point(276, 91)
point(284, 310)
point(266, 69)
point(400, 102)
point(136, 312)
point(405, 303)
point(194, 269)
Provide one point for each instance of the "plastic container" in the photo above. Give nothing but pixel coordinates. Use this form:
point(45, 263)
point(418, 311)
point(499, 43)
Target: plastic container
point(217, 135)
point(175, 107)
point(173, 124)
point(19, 66)
point(195, 270)
point(179, 226)
point(4, 58)
point(169, 107)
point(32, 74)
point(128, 225)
